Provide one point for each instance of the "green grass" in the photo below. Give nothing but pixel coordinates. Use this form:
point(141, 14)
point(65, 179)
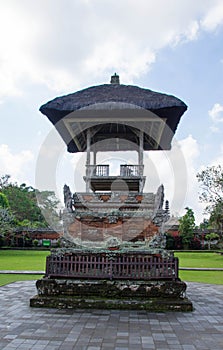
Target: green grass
point(191, 259)
point(212, 277)
point(204, 259)
point(6, 278)
point(31, 260)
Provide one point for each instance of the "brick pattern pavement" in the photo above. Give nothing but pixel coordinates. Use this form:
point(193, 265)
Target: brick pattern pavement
point(23, 328)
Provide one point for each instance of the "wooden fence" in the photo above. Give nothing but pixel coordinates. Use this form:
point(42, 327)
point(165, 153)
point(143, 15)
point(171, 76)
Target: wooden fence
point(116, 266)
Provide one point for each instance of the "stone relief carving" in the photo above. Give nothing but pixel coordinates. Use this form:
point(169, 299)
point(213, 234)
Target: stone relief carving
point(68, 201)
point(159, 198)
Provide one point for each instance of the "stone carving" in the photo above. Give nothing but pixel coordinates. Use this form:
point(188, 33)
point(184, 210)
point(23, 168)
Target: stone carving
point(159, 214)
point(68, 199)
point(112, 219)
point(158, 241)
point(159, 198)
point(112, 242)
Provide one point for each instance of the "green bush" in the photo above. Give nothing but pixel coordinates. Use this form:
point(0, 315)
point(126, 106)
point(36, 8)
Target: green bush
point(35, 242)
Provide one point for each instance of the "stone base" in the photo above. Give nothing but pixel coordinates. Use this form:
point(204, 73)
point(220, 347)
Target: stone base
point(153, 304)
point(116, 294)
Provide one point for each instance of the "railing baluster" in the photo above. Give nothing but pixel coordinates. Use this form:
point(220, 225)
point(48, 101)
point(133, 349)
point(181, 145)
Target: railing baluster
point(132, 266)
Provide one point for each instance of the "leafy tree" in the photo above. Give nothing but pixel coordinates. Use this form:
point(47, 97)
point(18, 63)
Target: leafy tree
point(195, 243)
point(216, 216)
point(4, 203)
point(33, 224)
point(4, 181)
point(48, 203)
point(31, 207)
point(23, 202)
point(211, 237)
point(7, 223)
point(187, 226)
point(211, 180)
point(173, 243)
point(204, 224)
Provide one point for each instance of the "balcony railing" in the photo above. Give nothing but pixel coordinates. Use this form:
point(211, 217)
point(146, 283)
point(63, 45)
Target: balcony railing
point(125, 170)
point(97, 170)
point(131, 170)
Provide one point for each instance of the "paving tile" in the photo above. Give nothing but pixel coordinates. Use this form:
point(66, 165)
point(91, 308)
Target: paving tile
point(24, 328)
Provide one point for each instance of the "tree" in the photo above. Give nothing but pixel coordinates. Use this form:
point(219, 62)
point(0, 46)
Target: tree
point(48, 203)
point(211, 237)
point(211, 180)
point(4, 181)
point(32, 206)
point(22, 201)
point(7, 223)
point(204, 224)
point(216, 216)
point(187, 226)
point(4, 203)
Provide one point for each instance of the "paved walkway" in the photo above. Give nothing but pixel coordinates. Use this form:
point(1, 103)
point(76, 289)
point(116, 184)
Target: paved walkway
point(22, 327)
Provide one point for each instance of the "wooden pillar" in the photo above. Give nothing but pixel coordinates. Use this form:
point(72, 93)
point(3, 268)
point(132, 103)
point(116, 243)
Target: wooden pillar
point(88, 160)
point(140, 153)
point(95, 156)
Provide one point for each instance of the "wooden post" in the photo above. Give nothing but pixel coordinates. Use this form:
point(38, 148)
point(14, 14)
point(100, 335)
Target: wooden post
point(140, 148)
point(95, 157)
point(88, 160)
point(140, 153)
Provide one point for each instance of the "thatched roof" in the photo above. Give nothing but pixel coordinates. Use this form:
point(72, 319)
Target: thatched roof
point(164, 106)
point(145, 98)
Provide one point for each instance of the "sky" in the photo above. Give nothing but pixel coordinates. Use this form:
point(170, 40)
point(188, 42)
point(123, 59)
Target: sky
point(50, 48)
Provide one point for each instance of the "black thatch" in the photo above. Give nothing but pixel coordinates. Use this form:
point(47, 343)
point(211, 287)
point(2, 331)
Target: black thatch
point(163, 105)
point(135, 95)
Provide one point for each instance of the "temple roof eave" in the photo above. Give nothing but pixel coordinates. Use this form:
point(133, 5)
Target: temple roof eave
point(110, 99)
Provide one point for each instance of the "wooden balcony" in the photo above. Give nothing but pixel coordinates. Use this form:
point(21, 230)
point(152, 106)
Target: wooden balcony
point(130, 178)
point(125, 170)
point(97, 170)
point(131, 170)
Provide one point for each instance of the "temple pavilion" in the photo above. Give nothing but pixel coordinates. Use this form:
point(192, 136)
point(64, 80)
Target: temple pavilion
point(114, 246)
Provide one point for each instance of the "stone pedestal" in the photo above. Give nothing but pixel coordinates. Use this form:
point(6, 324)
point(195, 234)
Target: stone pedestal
point(112, 279)
point(103, 294)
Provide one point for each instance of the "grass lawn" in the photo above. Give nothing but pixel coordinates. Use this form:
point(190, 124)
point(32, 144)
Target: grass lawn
point(5, 278)
point(212, 277)
point(31, 260)
point(207, 259)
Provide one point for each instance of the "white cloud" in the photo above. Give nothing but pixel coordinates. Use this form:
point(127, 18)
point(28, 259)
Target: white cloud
point(216, 113)
point(218, 160)
point(15, 164)
point(214, 17)
point(192, 32)
point(65, 47)
point(191, 151)
point(177, 170)
point(214, 129)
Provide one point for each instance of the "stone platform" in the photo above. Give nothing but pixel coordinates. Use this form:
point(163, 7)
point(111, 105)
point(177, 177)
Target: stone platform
point(104, 294)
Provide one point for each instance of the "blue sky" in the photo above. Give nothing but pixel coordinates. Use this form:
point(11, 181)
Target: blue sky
point(53, 47)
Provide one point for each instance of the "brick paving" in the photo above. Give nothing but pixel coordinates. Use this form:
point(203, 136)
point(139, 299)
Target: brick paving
point(23, 328)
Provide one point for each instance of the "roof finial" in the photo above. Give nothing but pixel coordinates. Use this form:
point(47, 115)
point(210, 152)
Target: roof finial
point(115, 79)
